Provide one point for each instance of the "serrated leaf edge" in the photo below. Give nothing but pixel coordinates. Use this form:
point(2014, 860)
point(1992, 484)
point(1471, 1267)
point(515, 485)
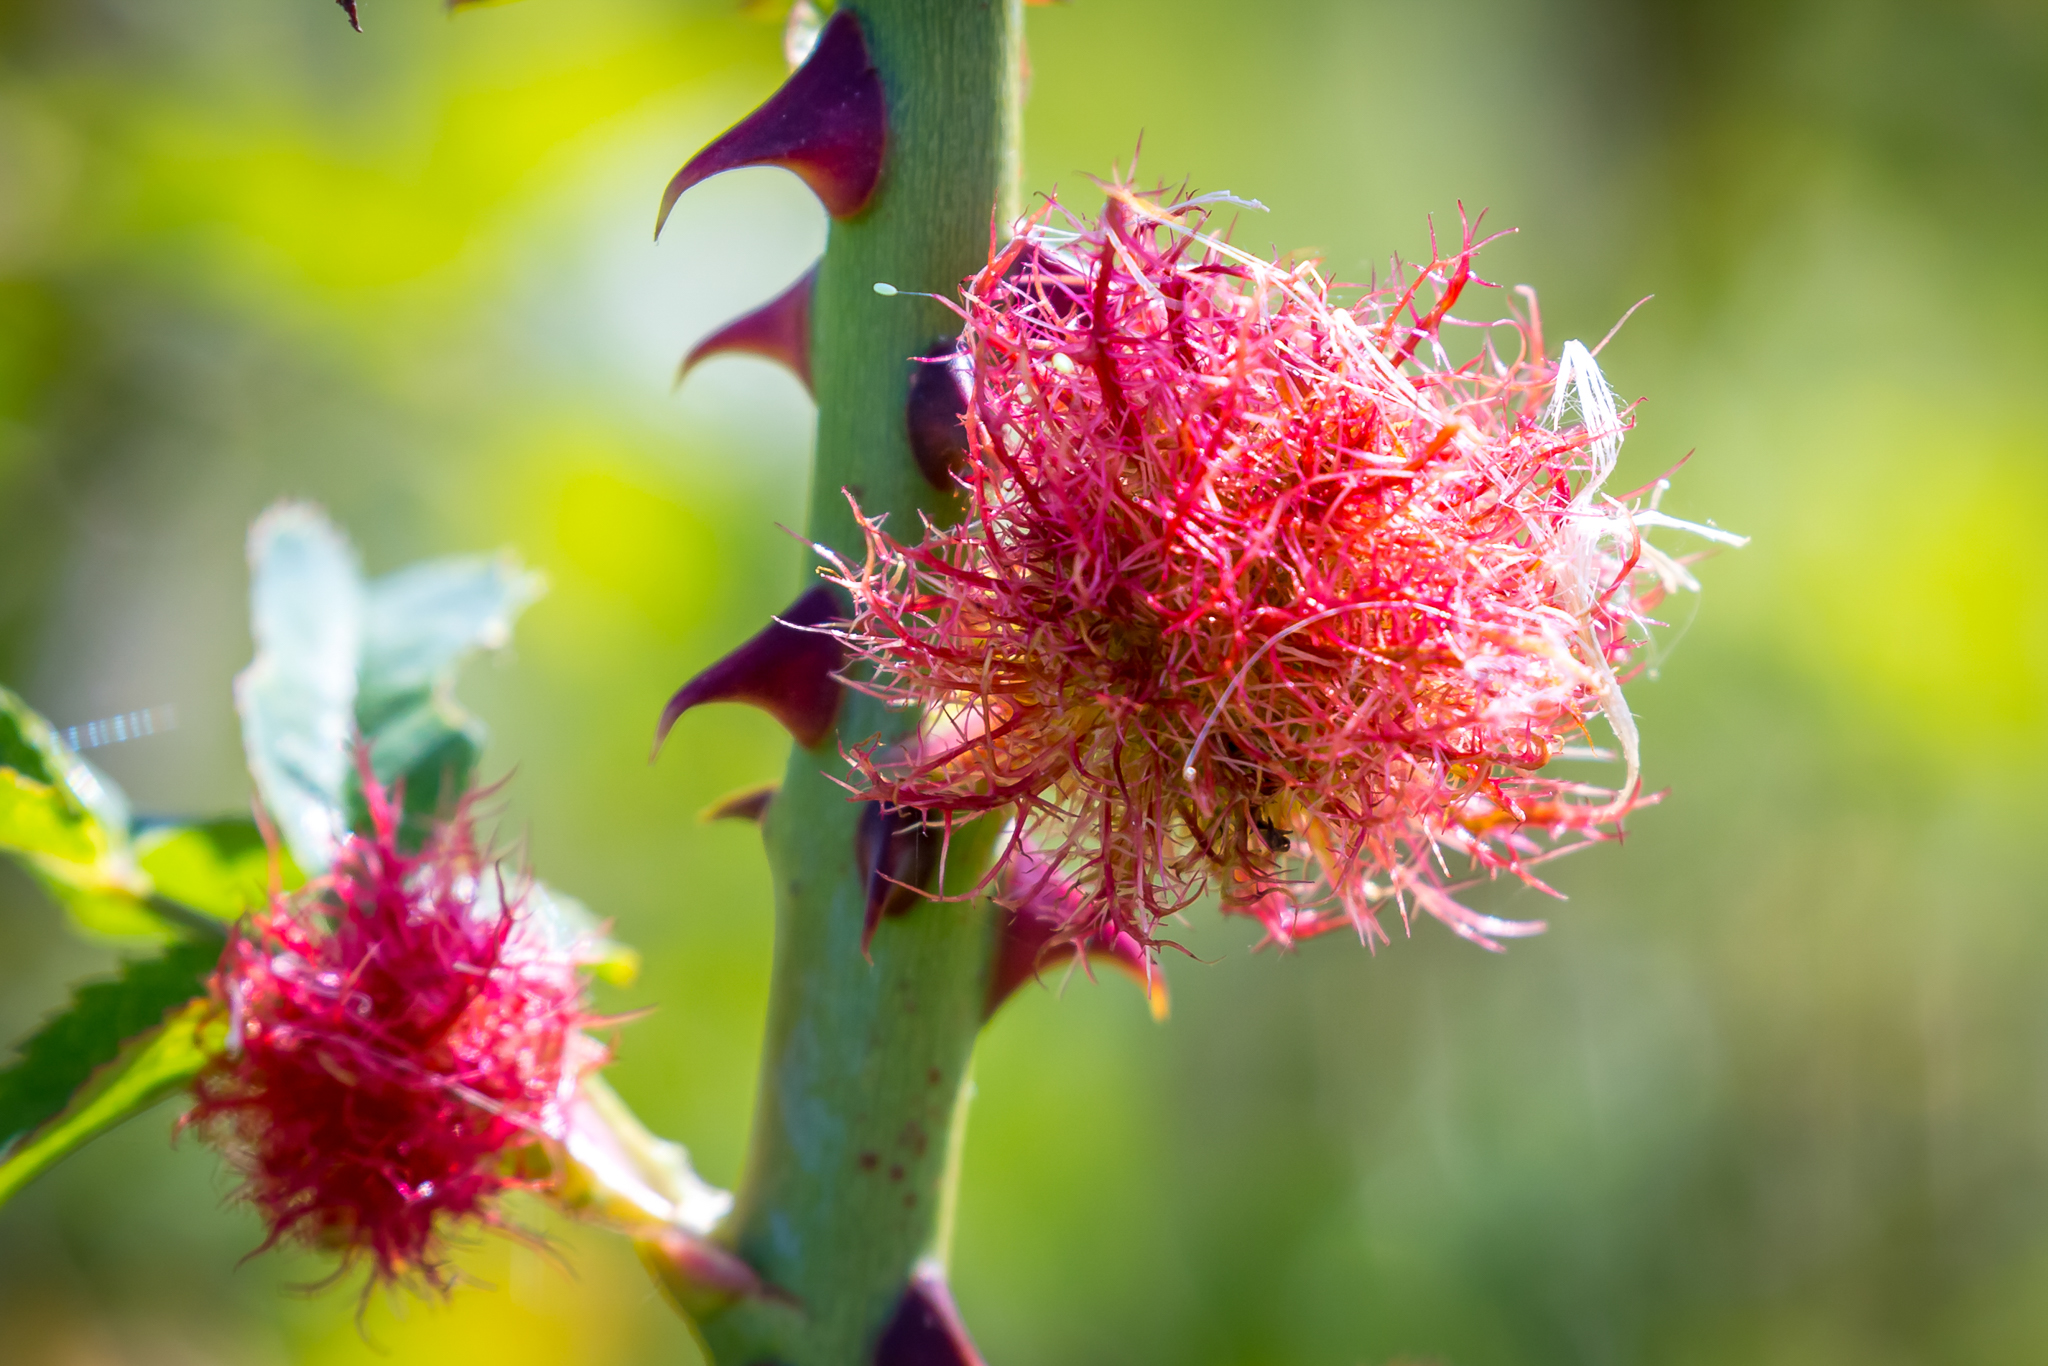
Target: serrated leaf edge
point(189, 1037)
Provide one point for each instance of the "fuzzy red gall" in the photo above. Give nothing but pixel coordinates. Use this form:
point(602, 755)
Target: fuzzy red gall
point(1259, 592)
point(398, 1038)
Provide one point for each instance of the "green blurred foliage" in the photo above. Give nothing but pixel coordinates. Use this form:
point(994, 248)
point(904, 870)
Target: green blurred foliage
point(1771, 1090)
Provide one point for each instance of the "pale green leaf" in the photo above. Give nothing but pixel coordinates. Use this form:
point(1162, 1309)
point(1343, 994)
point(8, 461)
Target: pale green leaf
point(421, 622)
point(297, 697)
point(619, 1172)
point(569, 927)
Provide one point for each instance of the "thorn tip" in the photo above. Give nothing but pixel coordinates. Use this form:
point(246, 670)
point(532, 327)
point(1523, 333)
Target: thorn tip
point(1038, 906)
point(899, 852)
point(779, 330)
point(828, 124)
point(788, 669)
point(926, 1329)
point(749, 804)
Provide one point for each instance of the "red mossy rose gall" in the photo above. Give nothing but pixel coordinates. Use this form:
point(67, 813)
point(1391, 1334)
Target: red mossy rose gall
point(400, 1031)
point(1258, 591)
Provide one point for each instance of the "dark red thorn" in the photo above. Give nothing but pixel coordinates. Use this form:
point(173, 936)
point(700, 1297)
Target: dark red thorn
point(1037, 906)
point(701, 1265)
point(779, 330)
point(936, 415)
point(701, 1277)
point(926, 1330)
point(750, 805)
point(787, 671)
point(899, 852)
point(348, 7)
point(827, 123)
point(1063, 287)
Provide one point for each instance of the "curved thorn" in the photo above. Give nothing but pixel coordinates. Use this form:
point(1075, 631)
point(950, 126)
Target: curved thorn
point(926, 1330)
point(1037, 905)
point(748, 805)
point(899, 851)
point(779, 330)
point(701, 1277)
point(935, 414)
point(827, 124)
point(683, 1256)
point(787, 670)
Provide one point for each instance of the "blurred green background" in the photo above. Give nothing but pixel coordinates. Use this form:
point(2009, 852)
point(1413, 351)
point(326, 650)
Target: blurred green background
point(1774, 1089)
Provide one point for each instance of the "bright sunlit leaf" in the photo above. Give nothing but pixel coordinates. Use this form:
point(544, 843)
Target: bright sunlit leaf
point(221, 868)
point(69, 827)
point(33, 820)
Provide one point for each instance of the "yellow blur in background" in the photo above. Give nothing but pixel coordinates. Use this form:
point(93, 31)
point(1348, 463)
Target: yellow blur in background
point(1773, 1089)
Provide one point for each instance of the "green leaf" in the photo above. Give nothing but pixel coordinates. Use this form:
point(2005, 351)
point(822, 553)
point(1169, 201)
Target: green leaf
point(29, 745)
point(121, 1046)
point(337, 658)
point(70, 827)
point(221, 868)
point(121, 914)
point(297, 697)
point(419, 626)
point(432, 749)
point(54, 799)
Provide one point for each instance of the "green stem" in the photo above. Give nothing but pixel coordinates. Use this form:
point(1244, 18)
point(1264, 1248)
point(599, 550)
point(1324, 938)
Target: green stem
point(864, 1066)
